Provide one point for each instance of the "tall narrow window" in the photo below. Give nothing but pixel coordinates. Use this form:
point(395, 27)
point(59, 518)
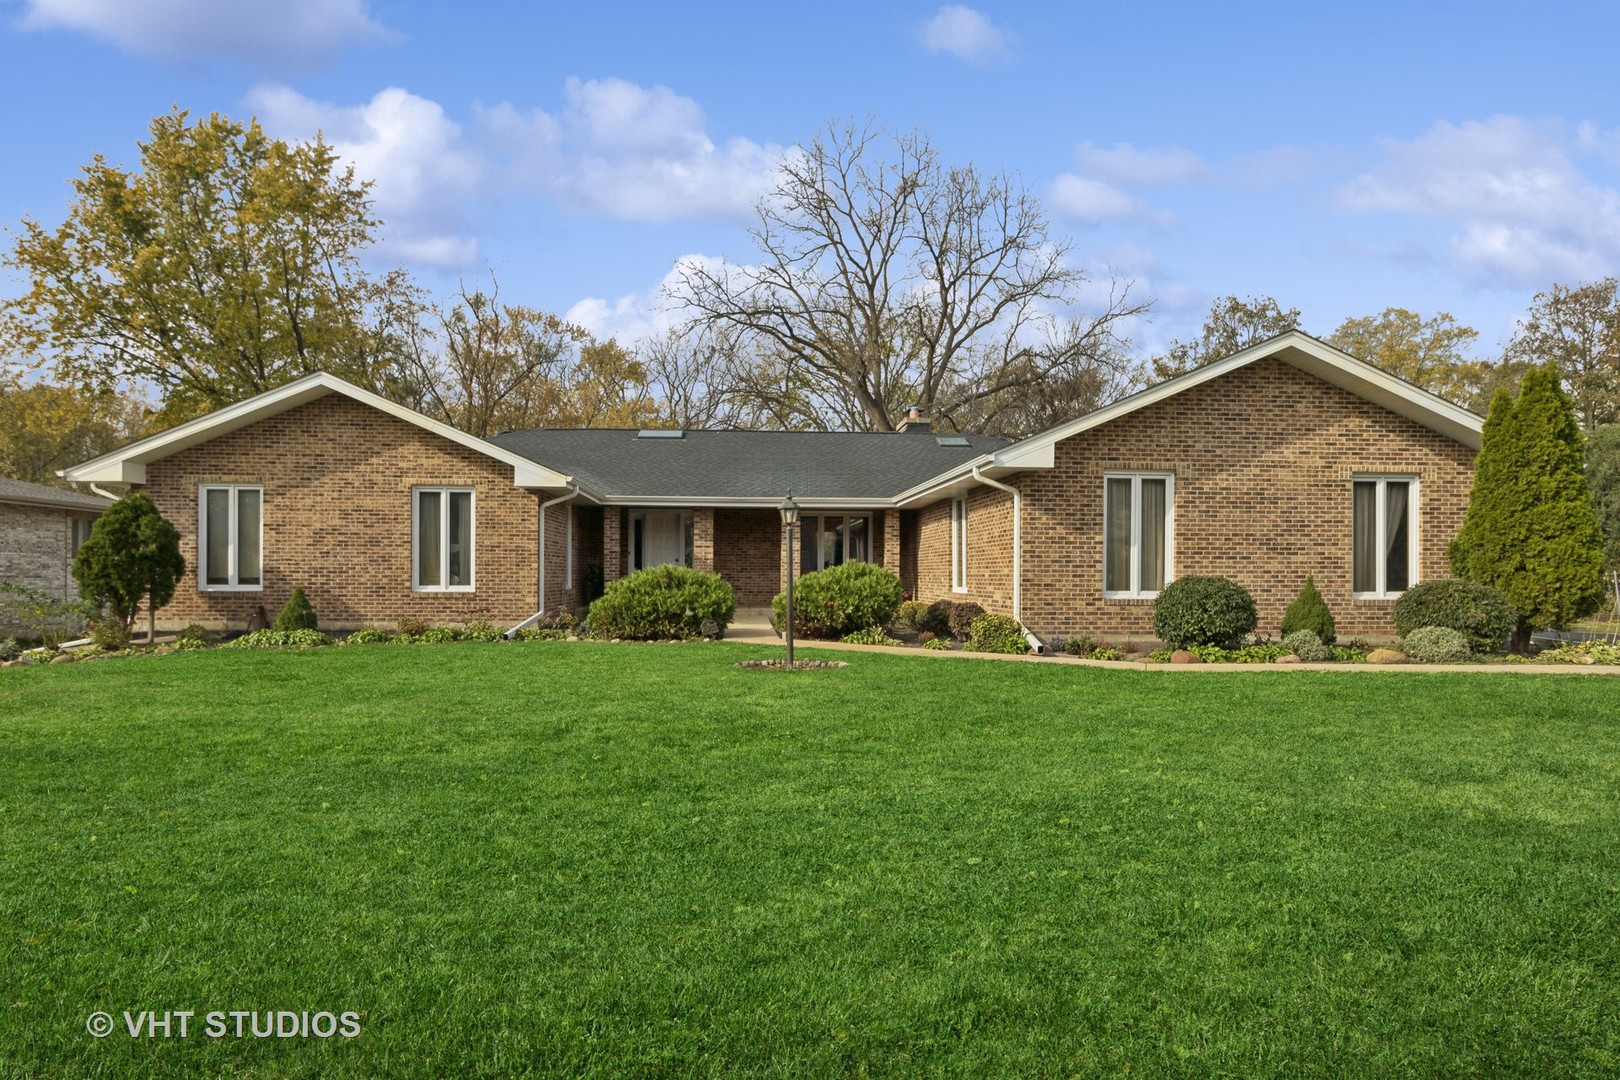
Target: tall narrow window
point(443, 540)
point(1138, 509)
point(959, 520)
point(230, 537)
point(1384, 536)
point(78, 533)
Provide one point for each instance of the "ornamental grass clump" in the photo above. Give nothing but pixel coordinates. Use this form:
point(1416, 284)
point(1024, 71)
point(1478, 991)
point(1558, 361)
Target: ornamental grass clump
point(662, 603)
point(1199, 610)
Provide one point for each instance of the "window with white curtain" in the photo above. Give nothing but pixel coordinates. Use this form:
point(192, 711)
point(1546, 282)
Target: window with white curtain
point(959, 520)
point(442, 540)
point(832, 539)
point(230, 538)
point(1384, 536)
point(1138, 534)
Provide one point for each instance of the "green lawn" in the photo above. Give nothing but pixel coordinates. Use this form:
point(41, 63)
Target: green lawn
point(578, 859)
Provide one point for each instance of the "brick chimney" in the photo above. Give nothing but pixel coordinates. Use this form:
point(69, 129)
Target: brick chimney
point(915, 422)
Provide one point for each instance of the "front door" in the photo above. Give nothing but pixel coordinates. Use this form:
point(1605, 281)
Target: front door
point(663, 538)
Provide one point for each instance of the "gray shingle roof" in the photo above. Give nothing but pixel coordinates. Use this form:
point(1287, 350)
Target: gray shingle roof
point(21, 491)
point(616, 463)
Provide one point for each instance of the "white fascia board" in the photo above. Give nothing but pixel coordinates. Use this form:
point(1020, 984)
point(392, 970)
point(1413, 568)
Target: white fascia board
point(127, 465)
point(945, 479)
point(699, 502)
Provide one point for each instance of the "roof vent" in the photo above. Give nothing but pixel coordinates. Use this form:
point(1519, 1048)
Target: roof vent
point(660, 433)
point(952, 440)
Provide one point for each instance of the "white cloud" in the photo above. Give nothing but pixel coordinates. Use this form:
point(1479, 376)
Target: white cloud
point(626, 151)
point(637, 316)
point(1520, 210)
point(1093, 201)
point(964, 32)
point(418, 160)
point(1128, 167)
point(281, 34)
point(614, 149)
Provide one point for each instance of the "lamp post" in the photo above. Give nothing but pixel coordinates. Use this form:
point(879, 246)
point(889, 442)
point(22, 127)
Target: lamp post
point(790, 517)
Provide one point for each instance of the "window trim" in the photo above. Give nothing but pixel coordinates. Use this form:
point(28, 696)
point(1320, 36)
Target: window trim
point(1413, 533)
point(959, 544)
point(1136, 476)
point(444, 490)
point(231, 560)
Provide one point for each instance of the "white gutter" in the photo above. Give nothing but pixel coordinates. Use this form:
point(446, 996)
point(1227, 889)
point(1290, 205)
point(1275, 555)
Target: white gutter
point(573, 493)
point(1035, 643)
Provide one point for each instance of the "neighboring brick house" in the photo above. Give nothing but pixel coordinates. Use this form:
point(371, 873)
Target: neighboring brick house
point(1290, 458)
point(40, 530)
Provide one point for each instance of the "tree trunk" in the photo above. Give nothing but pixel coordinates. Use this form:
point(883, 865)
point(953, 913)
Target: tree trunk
point(151, 621)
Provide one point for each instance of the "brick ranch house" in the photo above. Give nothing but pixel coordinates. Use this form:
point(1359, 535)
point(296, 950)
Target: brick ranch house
point(1289, 458)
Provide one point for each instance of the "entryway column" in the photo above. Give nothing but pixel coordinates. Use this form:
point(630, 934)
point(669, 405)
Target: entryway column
point(703, 540)
point(891, 541)
point(612, 519)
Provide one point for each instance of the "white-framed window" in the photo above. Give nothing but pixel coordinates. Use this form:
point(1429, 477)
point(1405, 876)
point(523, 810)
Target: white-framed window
point(1138, 533)
point(1384, 528)
point(568, 547)
point(959, 538)
point(442, 539)
point(230, 538)
point(832, 539)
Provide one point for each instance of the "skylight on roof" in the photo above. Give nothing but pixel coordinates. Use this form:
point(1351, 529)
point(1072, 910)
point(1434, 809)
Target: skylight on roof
point(952, 440)
point(660, 433)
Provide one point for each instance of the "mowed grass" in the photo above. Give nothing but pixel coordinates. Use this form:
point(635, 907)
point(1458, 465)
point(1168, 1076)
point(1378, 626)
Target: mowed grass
point(577, 859)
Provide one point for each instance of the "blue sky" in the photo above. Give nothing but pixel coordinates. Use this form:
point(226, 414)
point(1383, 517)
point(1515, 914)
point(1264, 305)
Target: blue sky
point(1442, 157)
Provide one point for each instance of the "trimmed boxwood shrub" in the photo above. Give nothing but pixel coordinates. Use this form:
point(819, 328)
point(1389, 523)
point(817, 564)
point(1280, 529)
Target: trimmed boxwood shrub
point(1479, 611)
point(838, 600)
point(1438, 645)
point(1310, 612)
point(662, 602)
point(913, 615)
point(937, 620)
point(996, 634)
point(296, 614)
point(961, 619)
point(1198, 610)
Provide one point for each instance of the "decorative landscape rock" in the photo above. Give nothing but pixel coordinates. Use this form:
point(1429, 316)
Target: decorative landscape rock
point(1386, 656)
point(1182, 656)
point(781, 664)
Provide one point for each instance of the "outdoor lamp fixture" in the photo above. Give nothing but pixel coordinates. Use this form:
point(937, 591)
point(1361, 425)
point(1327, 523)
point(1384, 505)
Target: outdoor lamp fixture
point(790, 517)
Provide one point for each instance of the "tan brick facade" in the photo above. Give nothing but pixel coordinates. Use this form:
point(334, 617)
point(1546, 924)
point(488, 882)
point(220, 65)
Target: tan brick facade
point(338, 478)
point(36, 548)
point(1263, 460)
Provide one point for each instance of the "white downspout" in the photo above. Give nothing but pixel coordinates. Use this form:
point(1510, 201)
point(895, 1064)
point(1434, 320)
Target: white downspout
point(573, 493)
point(1035, 643)
point(104, 494)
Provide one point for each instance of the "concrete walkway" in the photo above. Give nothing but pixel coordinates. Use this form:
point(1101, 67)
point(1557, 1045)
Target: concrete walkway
point(752, 627)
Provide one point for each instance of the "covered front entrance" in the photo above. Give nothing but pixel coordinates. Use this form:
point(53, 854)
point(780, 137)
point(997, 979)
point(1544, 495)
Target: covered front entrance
point(660, 537)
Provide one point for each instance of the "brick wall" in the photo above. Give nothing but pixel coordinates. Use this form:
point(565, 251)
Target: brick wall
point(989, 551)
point(748, 553)
point(1263, 460)
point(34, 548)
point(337, 478)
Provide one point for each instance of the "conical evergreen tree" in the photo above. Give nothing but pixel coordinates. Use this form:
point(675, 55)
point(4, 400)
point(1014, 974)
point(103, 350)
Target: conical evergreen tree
point(1531, 530)
point(1310, 612)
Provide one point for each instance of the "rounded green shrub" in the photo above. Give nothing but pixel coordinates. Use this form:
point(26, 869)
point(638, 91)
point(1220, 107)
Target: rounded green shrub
point(994, 633)
point(1309, 612)
point(839, 600)
point(1308, 646)
point(662, 602)
point(1198, 610)
point(1438, 645)
point(913, 615)
point(10, 649)
point(296, 613)
point(194, 632)
point(1479, 611)
point(937, 620)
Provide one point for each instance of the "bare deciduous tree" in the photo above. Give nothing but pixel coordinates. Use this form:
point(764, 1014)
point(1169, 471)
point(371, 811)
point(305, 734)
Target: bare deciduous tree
point(889, 279)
